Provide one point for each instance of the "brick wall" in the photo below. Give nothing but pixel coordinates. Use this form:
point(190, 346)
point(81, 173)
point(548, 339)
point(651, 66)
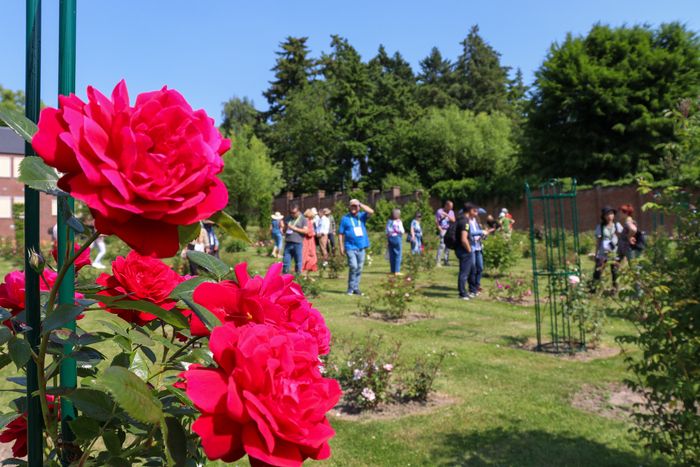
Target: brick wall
point(589, 204)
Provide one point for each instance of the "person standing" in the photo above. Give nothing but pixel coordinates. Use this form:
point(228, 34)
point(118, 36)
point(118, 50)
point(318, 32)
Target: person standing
point(99, 243)
point(309, 257)
point(394, 234)
point(199, 244)
point(416, 237)
point(506, 221)
point(276, 229)
point(324, 228)
point(607, 234)
point(353, 242)
point(463, 251)
point(213, 238)
point(476, 236)
point(443, 218)
point(331, 231)
point(296, 227)
point(628, 247)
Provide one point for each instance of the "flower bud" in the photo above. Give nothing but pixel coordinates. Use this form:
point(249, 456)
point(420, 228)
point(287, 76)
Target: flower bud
point(36, 261)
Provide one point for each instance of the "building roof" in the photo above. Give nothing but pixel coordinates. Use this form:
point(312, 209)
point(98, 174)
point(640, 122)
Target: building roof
point(10, 142)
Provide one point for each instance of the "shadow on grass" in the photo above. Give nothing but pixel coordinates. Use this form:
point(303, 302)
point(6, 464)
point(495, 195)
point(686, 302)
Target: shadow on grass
point(501, 447)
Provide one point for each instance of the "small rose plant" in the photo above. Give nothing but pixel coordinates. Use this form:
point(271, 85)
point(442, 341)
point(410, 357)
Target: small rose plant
point(218, 366)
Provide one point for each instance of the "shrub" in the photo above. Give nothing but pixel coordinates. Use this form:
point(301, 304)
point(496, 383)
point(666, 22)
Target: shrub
point(310, 287)
point(499, 254)
point(417, 381)
point(660, 296)
point(335, 265)
point(513, 289)
point(233, 245)
point(391, 299)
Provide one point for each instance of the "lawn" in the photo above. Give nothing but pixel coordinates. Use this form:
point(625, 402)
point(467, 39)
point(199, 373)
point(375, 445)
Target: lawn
point(511, 406)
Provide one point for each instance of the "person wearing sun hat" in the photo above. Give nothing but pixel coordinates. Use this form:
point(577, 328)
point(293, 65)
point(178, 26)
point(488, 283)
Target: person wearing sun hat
point(353, 241)
point(276, 229)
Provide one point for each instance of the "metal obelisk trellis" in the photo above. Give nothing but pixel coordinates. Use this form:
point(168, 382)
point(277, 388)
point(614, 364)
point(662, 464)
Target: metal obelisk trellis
point(553, 263)
point(66, 85)
point(31, 236)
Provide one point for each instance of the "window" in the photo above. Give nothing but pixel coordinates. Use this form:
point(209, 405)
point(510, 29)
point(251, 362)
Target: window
point(15, 166)
point(54, 207)
point(5, 166)
point(5, 207)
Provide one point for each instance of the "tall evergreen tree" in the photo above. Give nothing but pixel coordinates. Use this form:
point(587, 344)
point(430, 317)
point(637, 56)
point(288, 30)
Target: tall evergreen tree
point(517, 95)
point(480, 81)
point(238, 114)
point(434, 81)
point(293, 71)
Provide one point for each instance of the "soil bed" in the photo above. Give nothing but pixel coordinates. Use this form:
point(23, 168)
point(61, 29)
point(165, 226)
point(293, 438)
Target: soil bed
point(394, 410)
point(596, 353)
point(615, 401)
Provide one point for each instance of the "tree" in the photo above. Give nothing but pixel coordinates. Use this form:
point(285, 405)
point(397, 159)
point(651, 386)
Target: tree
point(517, 95)
point(293, 71)
point(13, 100)
point(238, 114)
point(306, 143)
point(597, 109)
point(434, 80)
point(454, 144)
point(251, 177)
point(480, 82)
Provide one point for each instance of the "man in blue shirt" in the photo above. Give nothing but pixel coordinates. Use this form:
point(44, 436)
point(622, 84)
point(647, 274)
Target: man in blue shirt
point(353, 241)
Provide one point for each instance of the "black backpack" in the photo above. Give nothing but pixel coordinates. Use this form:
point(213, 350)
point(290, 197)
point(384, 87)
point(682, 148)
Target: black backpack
point(451, 241)
point(641, 240)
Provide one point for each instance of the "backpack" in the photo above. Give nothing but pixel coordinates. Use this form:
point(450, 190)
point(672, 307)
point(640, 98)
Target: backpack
point(451, 241)
point(641, 240)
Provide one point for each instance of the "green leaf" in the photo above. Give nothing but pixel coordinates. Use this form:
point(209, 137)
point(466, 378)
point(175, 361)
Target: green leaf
point(5, 335)
point(19, 123)
point(171, 317)
point(34, 173)
point(5, 314)
point(113, 442)
point(61, 316)
point(187, 233)
point(20, 351)
point(132, 394)
point(230, 226)
point(5, 360)
point(214, 265)
point(6, 418)
point(187, 288)
point(85, 428)
point(93, 403)
point(175, 441)
point(209, 319)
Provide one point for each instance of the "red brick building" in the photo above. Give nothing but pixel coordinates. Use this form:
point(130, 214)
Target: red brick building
point(12, 191)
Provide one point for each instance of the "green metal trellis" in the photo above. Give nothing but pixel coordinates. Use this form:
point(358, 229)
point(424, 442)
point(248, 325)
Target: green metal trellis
point(555, 258)
point(66, 85)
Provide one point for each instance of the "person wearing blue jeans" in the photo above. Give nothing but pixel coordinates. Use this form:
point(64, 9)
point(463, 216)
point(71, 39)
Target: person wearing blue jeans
point(464, 254)
point(353, 242)
point(296, 228)
point(394, 235)
point(476, 235)
point(416, 236)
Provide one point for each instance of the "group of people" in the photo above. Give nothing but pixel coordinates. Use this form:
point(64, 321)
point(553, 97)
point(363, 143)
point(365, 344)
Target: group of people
point(616, 240)
point(206, 242)
point(298, 236)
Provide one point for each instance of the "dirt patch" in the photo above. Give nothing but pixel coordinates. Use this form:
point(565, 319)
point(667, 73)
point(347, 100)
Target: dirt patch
point(596, 353)
point(615, 401)
point(393, 411)
point(408, 318)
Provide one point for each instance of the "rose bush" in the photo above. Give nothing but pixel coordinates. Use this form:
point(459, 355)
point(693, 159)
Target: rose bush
point(143, 170)
point(80, 262)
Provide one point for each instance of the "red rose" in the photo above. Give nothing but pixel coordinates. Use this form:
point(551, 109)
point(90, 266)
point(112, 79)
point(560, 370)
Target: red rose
point(274, 298)
point(139, 278)
point(142, 170)
point(267, 398)
point(80, 262)
point(16, 431)
point(12, 290)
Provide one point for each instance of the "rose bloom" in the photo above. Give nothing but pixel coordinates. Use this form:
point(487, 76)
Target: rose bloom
point(139, 278)
point(143, 170)
point(80, 262)
point(16, 431)
point(274, 298)
point(266, 399)
point(574, 279)
point(12, 291)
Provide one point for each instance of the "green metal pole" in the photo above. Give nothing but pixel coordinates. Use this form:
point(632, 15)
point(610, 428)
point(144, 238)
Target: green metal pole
point(35, 436)
point(66, 293)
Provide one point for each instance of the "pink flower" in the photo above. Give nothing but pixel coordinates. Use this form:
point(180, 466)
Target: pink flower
point(274, 298)
point(266, 399)
point(140, 278)
point(143, 170)
point(574, 279)
point(80, 262)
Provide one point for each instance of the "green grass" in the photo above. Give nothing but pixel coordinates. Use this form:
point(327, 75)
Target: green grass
point(512, 406)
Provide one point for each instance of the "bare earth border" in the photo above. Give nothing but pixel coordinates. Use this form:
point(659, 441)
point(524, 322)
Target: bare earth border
point(597, 353)
point(614, 401)
point(393, 411)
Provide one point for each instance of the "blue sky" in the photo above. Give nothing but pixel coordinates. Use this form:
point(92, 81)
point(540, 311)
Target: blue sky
point(211, 50)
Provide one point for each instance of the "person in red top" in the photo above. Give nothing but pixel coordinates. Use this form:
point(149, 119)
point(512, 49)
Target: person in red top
point(309, 260)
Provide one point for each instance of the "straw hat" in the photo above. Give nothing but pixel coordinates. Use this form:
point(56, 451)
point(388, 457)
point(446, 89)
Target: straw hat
point(277, 216)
